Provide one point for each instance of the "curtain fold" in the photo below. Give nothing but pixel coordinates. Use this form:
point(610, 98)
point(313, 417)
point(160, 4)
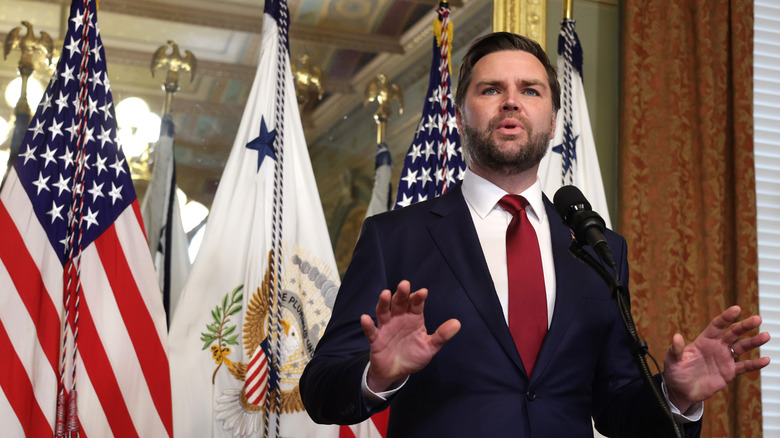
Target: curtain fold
point(687, 183)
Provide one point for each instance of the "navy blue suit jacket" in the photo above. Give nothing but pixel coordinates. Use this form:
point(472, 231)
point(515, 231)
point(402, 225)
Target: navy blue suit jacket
point(476, 386)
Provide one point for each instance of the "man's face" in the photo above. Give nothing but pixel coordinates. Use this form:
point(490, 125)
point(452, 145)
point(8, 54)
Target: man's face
point(506, 120)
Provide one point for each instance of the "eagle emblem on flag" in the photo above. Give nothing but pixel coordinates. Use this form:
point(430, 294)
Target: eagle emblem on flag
point(306, 295)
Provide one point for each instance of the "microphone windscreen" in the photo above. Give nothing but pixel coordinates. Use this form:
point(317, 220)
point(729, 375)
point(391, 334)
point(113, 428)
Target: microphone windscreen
point(568, 196)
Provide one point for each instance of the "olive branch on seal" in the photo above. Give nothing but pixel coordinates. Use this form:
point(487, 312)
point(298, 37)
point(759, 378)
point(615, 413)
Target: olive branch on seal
point(220, 332)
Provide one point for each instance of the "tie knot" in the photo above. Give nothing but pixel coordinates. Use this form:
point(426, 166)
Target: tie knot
point(513, 203)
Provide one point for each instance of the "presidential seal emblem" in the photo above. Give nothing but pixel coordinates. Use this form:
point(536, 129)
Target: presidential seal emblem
point(279, 333)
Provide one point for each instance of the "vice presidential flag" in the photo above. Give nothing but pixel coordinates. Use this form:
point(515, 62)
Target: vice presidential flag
point(82, 327)
point(162, 217)
point(262, 286)
point(572, 158)
point(435, 162)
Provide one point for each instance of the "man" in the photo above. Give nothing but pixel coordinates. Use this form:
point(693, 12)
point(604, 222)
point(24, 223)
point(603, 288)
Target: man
point(475, 376)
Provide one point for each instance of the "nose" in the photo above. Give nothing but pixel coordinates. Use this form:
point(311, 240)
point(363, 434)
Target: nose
point(511, 102)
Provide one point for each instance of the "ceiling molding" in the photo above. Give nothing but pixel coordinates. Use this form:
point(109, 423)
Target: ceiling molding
point(248, 20)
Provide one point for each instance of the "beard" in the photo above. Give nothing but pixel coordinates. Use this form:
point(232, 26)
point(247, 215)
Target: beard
point(484, 150)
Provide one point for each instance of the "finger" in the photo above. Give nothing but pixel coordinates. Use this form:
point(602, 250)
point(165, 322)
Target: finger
point(445, 332)
point(721, 322)
point(417, 301)
point(400, 300)
point(677, 347)
point(369, 329)
point(746, 366)
point(383, 307)
point(741, 328)
point(744, 345)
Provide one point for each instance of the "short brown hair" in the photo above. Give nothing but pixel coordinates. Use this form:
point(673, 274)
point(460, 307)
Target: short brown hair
point(499, 41)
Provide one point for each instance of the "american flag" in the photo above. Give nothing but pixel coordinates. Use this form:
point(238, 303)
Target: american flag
point(435, 162)
point(81, 320)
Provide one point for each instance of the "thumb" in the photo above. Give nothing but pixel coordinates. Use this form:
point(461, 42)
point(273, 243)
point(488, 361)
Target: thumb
point(445, 332)
point(677, 347)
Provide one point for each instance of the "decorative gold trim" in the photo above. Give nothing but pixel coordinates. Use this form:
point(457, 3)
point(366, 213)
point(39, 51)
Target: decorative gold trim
point(525, 17)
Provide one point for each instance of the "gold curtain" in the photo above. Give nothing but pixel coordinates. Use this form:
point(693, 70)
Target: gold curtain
point(687, 188)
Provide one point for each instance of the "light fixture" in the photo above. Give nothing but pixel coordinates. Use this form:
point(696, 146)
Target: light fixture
point(192, 212)
point(137, 126)
point(14, 90)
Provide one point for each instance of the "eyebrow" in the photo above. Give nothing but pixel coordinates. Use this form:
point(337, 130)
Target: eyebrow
point(523, 82)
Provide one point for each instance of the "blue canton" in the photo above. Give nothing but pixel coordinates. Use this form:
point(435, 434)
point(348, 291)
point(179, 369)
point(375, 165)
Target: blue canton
point(434, 162)
point(70, 162)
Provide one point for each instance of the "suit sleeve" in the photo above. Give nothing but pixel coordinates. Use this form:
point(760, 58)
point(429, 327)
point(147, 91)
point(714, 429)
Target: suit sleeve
point(331, 383)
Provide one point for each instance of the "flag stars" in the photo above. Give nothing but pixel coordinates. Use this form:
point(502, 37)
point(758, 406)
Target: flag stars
point(41, 183)
point(37, 129)
point(90, 218)
point(55, 211)
point(96, 53)
point(411, 176)
point(77, 19)
point(104, 136)
point(45, 103)
point(115, 193)
point(428, 150)
point(93, 108)
point(118, 166)
point(67, 158)
point(405, 201)
point(67, 74)
point(62, 102)
point(100, 162)
point(73, 129)
point(29, 154)
point(95, 81)
point(96, 191)
point(49, 156)
point(73, 46)
point(415, 153)
point(62, 185)
point(55, 129)
point(425, 176)
point(106, 109)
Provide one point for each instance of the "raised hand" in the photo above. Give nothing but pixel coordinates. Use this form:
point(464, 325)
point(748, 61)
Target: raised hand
point(400, 343)
point(697, 371)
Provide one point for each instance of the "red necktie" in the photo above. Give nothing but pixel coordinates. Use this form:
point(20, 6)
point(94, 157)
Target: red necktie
point(527, 298)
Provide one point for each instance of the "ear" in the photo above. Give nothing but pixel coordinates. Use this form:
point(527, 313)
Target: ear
point(458, 120)
point(554, 119)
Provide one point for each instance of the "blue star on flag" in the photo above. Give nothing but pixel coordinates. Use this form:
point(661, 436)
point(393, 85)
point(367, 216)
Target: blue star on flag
point(263, 144)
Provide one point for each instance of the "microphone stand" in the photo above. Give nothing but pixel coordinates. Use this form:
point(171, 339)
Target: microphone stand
point(638, 346)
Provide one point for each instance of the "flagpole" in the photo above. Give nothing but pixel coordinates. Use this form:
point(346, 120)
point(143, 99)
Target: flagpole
point(568, 9)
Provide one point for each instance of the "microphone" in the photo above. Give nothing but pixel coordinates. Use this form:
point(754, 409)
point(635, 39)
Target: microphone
point(587, 225)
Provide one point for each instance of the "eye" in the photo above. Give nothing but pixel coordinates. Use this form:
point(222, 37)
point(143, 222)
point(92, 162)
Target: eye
point(489, 91)
point(531, 92)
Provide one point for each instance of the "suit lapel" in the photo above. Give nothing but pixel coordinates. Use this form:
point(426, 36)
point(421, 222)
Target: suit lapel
point(456, 238)
point(566, 266)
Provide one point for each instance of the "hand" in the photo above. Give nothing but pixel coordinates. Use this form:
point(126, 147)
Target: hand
point(400, 344)
point(697, 371)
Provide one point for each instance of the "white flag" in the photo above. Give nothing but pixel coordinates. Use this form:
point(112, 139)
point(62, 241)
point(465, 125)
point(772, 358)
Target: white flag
point(262, 287)
point(572, 158)
point(383, 171)
point(162, 220)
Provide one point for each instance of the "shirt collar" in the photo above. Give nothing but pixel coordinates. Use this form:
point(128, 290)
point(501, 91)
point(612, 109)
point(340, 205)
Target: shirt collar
point(483, 195)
